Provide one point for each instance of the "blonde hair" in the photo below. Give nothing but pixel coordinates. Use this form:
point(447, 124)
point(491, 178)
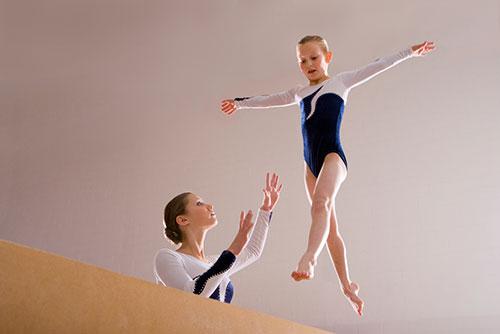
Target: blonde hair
point(315, 38)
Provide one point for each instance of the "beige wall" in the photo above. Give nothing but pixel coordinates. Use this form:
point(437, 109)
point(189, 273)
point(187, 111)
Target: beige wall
point(45, 293)
point(109, 108)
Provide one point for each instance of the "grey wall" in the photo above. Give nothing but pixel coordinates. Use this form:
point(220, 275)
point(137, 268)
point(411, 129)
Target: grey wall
point(110, 108)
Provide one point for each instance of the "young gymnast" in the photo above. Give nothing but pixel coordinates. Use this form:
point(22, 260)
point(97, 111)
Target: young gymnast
point(322, 105)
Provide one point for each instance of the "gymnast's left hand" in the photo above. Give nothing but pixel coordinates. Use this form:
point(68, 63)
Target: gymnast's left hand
point(271, 192)
point(228, 106)
point(422, 49)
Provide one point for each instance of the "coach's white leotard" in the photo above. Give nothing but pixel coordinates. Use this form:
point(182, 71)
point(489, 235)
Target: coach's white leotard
point(211, 280)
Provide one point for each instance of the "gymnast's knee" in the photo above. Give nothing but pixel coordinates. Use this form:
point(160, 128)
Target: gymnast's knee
point(321, 204)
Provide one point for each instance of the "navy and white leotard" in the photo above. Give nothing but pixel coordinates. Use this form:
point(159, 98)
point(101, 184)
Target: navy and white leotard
point(322, 107)
point(210, 279)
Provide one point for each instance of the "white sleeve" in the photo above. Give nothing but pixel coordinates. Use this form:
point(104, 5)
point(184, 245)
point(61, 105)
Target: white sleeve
point(170, 270)
point(253, 250)
point(354, 78)
point(281, 99)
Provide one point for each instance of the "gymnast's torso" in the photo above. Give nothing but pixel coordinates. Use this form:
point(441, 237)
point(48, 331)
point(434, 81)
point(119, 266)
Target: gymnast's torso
point(321, 119)
point(322, 107)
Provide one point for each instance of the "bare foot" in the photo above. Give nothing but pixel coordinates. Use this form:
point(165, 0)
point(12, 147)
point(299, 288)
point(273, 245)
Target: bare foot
point(305, 268)
point(351, 292)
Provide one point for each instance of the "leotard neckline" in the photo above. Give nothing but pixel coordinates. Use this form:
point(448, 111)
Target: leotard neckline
point(321, 83)
point(193, 257)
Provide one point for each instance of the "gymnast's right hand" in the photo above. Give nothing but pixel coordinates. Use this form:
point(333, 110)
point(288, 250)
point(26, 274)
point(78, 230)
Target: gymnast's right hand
point(228, 106)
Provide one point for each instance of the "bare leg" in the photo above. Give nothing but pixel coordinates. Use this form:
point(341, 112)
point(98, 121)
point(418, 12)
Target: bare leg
point(336, 247)
point(338, 256)
point(332, 174)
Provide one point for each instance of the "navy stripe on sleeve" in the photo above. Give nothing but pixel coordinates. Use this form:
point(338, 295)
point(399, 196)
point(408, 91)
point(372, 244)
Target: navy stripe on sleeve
point(223, 264)
point(242, 98)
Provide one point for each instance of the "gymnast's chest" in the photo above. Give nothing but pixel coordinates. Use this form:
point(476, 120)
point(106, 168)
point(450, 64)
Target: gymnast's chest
point(322, 109)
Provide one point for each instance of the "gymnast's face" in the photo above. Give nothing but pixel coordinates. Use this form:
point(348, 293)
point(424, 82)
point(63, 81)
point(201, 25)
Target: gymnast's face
point(313, 61)
point(199, 214)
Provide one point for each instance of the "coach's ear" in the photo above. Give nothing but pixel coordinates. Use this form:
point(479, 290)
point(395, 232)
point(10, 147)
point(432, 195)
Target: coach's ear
point(181, 220)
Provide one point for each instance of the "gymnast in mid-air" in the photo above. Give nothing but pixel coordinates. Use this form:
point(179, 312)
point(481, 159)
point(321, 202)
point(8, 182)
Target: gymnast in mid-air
point(322, 104)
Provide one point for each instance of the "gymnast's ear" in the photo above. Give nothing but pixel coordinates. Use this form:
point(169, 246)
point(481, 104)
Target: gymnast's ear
point(329, 57)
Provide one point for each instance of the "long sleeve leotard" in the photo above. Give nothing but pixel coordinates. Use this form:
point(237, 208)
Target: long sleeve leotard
point(322, 107)
point(210, 279)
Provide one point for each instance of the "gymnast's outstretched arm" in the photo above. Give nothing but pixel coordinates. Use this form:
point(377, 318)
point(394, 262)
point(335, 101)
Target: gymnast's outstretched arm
point(354, 78)
point(281, 99)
